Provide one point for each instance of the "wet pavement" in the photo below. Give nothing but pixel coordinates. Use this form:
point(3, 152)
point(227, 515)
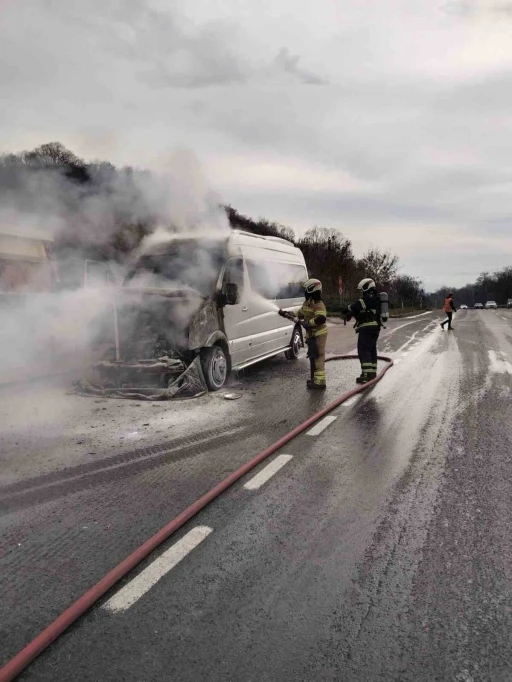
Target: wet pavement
point(380, 549)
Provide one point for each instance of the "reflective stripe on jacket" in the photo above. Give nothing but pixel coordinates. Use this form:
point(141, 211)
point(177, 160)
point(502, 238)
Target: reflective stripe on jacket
point(309, 312)
point(448, 305)
point(366, 317)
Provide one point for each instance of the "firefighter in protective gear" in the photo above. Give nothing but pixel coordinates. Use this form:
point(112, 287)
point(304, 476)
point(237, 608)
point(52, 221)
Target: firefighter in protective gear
point(449, 309)
point(366, 312)
point(314, 314)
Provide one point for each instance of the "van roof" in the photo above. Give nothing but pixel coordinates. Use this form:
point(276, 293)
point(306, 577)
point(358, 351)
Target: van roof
point(235, 237)
point(241, 238)
point(264, 236)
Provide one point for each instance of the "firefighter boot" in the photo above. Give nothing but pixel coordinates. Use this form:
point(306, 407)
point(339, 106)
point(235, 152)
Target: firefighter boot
point(363, 378)
point(311, 384)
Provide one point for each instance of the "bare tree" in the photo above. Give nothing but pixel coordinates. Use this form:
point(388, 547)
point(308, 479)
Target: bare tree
point(381, 266)
point(329, 255)
point(51, 154)
point(406, 291)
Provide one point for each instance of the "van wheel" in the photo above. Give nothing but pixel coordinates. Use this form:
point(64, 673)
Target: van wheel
point(215, 365)
point(295, 345)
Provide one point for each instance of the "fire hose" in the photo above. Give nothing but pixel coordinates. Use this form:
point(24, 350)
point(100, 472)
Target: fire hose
point(42, 641)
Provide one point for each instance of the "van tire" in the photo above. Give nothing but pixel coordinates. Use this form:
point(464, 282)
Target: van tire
point(295, 345)
point(216, 366)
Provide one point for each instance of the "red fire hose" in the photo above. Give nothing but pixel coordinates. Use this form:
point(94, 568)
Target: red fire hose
point(17, 664)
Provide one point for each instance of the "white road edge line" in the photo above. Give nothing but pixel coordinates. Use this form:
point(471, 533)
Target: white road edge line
point(351, 400)
point(142, 583)
point(323, 424)
point(267, 472)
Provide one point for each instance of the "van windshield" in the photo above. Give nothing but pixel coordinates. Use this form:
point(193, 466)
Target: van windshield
point(184, 263)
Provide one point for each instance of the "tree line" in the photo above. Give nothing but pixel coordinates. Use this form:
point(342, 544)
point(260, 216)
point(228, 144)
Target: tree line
point(495, 286)
point(102, 212)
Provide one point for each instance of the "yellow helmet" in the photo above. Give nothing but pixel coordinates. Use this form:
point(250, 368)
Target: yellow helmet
point(312, 285)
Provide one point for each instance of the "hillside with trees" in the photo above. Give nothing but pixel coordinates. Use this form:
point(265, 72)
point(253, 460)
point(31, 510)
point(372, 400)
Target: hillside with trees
point(95, 210)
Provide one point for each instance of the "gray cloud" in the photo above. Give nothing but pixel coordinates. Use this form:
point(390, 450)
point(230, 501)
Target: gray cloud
point(166, 53)
point(406, 144)
point(290, 64)
point(478, 8)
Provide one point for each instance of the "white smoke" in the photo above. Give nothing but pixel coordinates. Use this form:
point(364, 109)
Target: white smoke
point(67, 329)
point(42, 331)
point(47, 333)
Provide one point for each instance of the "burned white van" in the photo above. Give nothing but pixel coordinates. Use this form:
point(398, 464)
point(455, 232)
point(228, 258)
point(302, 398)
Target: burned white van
point(211, 303)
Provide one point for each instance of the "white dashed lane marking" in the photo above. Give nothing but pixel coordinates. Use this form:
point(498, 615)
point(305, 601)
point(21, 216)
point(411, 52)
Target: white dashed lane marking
point(142, 583)
point(266, 473)
point(322, 424)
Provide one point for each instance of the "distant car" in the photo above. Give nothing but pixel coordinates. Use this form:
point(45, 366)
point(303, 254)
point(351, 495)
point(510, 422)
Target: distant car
point(491, 304)
point(509, 303)
point(478, 306)
point(463, 307)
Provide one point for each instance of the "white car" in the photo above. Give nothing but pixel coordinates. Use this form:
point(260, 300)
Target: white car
point(490, 304)
point(478, 306)
point(463, 307)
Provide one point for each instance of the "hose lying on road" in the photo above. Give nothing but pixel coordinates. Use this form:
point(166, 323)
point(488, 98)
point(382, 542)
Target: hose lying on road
point(17, 664)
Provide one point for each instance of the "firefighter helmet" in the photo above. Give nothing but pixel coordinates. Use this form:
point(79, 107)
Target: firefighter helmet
point(366, 284)
point(312, 285)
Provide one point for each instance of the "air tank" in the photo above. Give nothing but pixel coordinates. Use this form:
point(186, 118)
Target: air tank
point(384, 306)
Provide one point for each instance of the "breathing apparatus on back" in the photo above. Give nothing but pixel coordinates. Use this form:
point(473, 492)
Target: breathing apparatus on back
point(384, 306)
point(381, 300)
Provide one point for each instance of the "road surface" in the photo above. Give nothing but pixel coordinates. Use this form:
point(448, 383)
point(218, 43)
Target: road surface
point(378, 549)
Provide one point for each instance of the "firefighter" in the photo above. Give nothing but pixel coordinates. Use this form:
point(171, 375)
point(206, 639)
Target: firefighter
point(449, 309)
point(368, 323)
point(314, 314)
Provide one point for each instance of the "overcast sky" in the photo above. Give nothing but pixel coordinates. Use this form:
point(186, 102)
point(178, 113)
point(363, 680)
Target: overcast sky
point(386, 119)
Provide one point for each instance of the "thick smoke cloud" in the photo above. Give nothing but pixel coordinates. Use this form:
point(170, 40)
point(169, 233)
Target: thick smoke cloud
point(42, 331)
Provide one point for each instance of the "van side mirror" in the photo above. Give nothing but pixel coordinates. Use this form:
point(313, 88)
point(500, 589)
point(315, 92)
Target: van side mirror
point(231, 294)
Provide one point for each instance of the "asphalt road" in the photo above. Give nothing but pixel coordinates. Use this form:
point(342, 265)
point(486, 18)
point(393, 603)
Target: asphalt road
point(379, 549)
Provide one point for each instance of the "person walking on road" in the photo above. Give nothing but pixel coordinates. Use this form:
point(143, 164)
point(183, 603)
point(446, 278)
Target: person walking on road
point(314, 314)
point(449, 309)
point(368, 323)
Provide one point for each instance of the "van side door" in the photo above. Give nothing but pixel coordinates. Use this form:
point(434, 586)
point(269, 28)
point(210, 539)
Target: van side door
point(290, 297)
point(236, 313)
point(264, 320)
